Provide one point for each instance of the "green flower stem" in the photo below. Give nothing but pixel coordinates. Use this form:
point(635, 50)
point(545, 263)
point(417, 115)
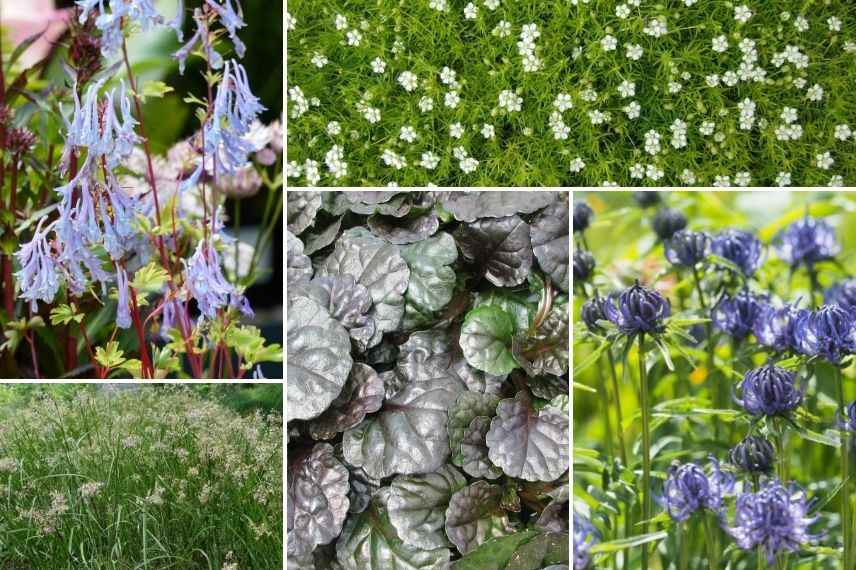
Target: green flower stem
point(759, 558)
point(684, 538)
point(646, 449)
point(846, 523)
point(604, 405)
point(711, 540)
point(620, 416)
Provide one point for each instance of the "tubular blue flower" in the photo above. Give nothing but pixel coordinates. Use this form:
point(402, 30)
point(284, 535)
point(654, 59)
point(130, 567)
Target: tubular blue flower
point(736, 315)
point(842, 293)
point(668, 221)
point(806, 242)
point(225, 132)
point(123, 311)
point(753, 455)
point(206, 283)
point(774, 326)
point(591, 312)
point(107, 135)
point(775, 518)
point(769, 391)
point(828, 332)
point(109, 23)
point(584, 265)
point(688, 489)
point(39, 277)
point(582, 216)
point(646, 198)
point(686, 248)
point(585, 536)
point(637, 310)
point(231, 20)
point(740, 248)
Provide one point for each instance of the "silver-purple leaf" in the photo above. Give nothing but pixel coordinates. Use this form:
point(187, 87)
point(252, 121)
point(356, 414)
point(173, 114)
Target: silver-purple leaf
point(550, 242)
point(474, 452)
point(404, 230)
point(466, 407)
point(475, 515)
point(529, 444)
point(301, 210)
point(298, 267)
point(348, 302)
point(470, 206)
point(432, 280)
point(501, 247)
point(363, 394)
point(417, 505)
point(318, 359)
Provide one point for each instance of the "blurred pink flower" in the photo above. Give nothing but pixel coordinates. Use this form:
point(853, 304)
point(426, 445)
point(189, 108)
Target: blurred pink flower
point(22, 19)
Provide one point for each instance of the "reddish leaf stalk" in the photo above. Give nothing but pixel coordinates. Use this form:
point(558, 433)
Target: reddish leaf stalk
point(138, 326)
point(9, 288)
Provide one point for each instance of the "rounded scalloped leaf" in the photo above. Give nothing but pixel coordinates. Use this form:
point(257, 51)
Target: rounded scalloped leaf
point(486, 337)
point(470, 206)
point(546, 350)
point(468, 406)
point(301, 210)
point(404, 230)
point(317, 499)
point(432, 281)
point(363, 394)
point(417, 506)
point(318, 359)
point(474, 452)
point(298, 267)
point(524, 550)
point(500, 246)
point(370, 542)
point(409, 434)
point(529, 444)
point(475, 515)
point(550, 242)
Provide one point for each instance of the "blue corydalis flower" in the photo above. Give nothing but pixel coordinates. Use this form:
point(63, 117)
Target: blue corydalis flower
point(776, 518)
point(585, 536)
point(109, 22)
point(736, 315)
point(753, 455)
point(206, 283)
point(740, 248)
point(39, 277)
point(668, 221)
point(123, 311)
point(828, 332)
point(225, 132)
point(689, 489)
point(637, 310)
point(686, 248)
point(584, 265)
point(591, 312)
point(774, 326)
point(231, 19)
point(582, 216)
point(842, 293)
point(769, 391)
point(806, 242)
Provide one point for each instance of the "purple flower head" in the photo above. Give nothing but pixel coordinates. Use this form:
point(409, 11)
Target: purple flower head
point(231, 20)
point(828, 332)
point(206, 283)
point(591, 312)
point(689, 489)
point(774, 326)
point(584, 265)
point(842, 293)
point(806, 241)
point(646, 198)
point(753, 455)
point(173, 315)
point(740, 248)
point(123, 312)
point(686, 248)
point(585, 535)
point(668, 221)
point(775, 518)
point(848, 422)
point(769, 391)
point(637, 310)
point(736, 315)
point(582, 216)
point(39, 277)
point(96, 126)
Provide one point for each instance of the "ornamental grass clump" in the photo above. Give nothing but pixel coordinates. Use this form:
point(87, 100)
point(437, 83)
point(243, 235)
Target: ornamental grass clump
point(737, 350)
point(120, 258)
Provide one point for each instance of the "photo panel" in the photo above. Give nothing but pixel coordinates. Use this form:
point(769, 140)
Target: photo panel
point(713, 411)
point(427, 353)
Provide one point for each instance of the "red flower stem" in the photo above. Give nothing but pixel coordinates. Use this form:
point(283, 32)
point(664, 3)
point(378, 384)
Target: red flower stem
point(138, 326)
point(98, 369)
point(33, 349)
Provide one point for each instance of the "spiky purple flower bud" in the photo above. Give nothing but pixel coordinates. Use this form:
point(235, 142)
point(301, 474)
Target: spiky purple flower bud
point(828, 332)
point(689, 489)
point(668, 221)
point(736, 315)
point(584, 265)
point(774, 326)
point(842, 293)
point(686, 248)
point(582, 216)
point(753, 454)
point(740, 248)
point(769, 391)
point(591, 312)
point(775, 518)
point(638, 310)
point(806, 242)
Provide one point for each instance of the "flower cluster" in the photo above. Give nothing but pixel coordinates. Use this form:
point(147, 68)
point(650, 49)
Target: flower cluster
point(689, 489)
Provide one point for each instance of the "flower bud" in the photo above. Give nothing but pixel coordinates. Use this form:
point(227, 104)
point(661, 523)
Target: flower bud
point(668, 221)
point(753, 455)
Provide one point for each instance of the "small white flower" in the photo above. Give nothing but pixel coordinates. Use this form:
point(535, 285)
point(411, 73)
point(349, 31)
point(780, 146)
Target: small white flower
point(742, 13)
point(391, 158)
point(843, 132)
point(563, 102)
point(783, 179)
point(502, 29)
point(637, 171)
point(426, 104)
point(341, 22)
point(789, 115)
point(448, 76)
point(577, 165)
point(688, 177)
point(378, 65)
point(318, 60)
point(408, 80)
point(510, 101)
point(742, 179)
point(633, 110)
point(652, 142)
point(609, 43)
point(429, 161)
point(598, 117)
point(837, 181)
point(834, 24)
point(675, 87)
point(488, 131)
point(531, 63)
point(627, 88)
point(334, 159)
point(656, 28)
point(622, 11)
point(354, 37)
point(469, 165)
point(407, 134)
point(456, 130)
point(471, 11)
point(722, 181)
point(451, 99)
point(633, 51)
point(712, 80)
point(720, 44)
point(814, 93)
point(333, 128)
point(707, 128)
point(439, 5)
point(653, 173)
point(290, 21)
point(824, 160)
point(491, 4)
point(801, 24)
